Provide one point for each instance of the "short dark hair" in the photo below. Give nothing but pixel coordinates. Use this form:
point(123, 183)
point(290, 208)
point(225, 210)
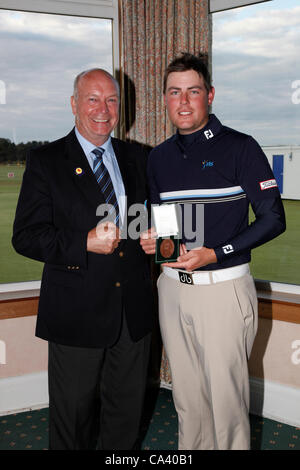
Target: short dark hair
point(186, 62)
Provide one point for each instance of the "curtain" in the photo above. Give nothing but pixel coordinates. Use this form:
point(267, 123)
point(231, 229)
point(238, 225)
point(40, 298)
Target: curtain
point(152, 34)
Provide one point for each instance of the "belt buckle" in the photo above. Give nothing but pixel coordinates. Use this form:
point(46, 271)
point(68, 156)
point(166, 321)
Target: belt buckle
point(185, 278)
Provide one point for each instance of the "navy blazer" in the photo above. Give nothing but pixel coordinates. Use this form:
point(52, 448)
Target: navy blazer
point(82, 293)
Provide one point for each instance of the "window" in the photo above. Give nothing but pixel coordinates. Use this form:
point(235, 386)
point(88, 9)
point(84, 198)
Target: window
point(256, 73)
point(40, 56)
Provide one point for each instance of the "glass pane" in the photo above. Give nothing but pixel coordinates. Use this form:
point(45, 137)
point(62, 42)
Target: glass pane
point(40, 56)
point(256, 73)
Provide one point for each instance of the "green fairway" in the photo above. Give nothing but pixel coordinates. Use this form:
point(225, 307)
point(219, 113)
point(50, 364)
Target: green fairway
point(13, 267)
point(278, 260)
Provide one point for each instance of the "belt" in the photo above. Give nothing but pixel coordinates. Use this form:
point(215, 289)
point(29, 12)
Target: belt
point(207, 277)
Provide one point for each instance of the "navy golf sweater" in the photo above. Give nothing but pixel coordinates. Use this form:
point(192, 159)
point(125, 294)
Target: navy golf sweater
point(224, 170)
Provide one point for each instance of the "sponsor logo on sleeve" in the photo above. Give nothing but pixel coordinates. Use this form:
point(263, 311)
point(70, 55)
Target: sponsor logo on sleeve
point(268, 184)
point(228, 249)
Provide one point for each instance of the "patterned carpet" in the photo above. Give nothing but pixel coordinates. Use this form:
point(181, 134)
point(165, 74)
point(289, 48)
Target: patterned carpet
point(29, 430)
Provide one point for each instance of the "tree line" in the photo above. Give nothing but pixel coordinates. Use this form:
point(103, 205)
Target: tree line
point(12, 153)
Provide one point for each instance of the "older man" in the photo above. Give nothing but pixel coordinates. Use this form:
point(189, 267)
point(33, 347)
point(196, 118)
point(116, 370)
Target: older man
point(95, 306)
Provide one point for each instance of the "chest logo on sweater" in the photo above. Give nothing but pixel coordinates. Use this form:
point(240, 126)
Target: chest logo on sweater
point(207, 164)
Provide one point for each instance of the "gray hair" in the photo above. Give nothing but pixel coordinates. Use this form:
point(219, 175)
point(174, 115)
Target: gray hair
point(85, 72)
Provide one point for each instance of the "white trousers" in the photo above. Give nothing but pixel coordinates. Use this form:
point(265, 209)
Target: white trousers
point(208, 332)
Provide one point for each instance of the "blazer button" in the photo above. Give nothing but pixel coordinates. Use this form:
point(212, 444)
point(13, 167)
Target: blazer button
point(121, 254)
point(117, 284)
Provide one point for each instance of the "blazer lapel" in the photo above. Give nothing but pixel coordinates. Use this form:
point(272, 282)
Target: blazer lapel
point(83, 175)
point(126, 168)
point(81, 171)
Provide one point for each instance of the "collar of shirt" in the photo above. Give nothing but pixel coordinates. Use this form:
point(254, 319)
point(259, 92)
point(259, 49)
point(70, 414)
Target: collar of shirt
point(211, 129)
point(88, 147)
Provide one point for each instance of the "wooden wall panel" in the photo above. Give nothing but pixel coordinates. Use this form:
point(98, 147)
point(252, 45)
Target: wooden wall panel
point(18, 307)
point(267, 308)
point(279, 310)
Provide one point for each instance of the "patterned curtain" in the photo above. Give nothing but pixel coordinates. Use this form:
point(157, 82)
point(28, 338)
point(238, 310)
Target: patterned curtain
point(153, 32)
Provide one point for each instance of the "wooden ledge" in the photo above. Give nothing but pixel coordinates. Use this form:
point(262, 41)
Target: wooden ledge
point(16, 308)
point(279, 306)
point(271, 305)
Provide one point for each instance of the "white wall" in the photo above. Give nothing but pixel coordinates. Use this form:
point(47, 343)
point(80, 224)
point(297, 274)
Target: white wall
point(291, 168)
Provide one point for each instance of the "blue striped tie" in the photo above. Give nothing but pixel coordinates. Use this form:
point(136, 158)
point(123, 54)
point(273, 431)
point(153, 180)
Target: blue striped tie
point(103, 179)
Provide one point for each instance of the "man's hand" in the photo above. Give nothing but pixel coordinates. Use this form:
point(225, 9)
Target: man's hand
point(148, 241)
point(103, 239)
point(196, 258)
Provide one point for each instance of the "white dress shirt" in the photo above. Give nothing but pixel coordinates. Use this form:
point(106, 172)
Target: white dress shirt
point(111, 163)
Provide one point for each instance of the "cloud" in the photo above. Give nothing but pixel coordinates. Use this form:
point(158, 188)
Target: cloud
point(255, 61)
point(275, 34)
point(40, 56)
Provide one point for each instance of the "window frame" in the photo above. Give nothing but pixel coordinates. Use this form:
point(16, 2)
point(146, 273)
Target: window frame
point(19, 290)
point(222, 5)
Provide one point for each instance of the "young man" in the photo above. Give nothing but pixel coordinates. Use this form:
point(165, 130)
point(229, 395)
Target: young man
point(95, 306)
point(208, 317)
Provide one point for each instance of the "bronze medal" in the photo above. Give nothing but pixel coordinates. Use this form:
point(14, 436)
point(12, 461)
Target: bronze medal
point(167, 248)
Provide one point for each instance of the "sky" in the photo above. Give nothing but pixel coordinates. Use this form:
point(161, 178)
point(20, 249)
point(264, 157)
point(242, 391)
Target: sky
point(255, 59)
point(40, 56)
point(256, 63)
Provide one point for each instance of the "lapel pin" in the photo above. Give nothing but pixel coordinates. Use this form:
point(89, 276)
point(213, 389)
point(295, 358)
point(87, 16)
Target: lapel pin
point(79, 171)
